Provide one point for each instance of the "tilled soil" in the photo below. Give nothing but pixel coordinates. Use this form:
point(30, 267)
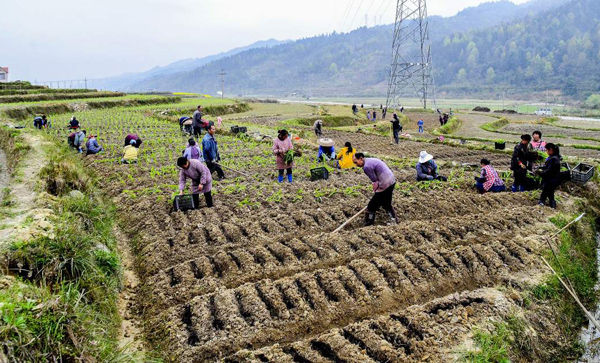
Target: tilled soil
point(261, 276)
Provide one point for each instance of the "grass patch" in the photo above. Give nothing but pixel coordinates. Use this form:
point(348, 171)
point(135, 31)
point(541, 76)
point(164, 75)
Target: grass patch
point(585, 147)
point(60, 303)
point(495, 125)
point(496, 343)
point(13, 145)
point(64, 173)
point(57, 96)
point(328, 121)
point(449, 128)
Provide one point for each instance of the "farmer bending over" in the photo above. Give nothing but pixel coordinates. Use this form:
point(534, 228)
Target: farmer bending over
point(92, 146)
point(427, 168)
point(130, 153)
point(210, 152)
point(192, 151)
point(76, 140)
point(201, 179)
point(326, 150)
point(318, 128)
point(384, 183)
point(346, 156)
point(489, 181)
point(284, 152)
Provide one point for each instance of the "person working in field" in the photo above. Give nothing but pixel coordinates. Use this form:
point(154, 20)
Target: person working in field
point(284, 153)
point(326, 150)
point(76, 139)
point(346, 156)
point(489, 181)
point(537, 144)
point(74, 123)
point(421, 125)
point(185, 125)
point(197, 122)
point(192, 151)
point(550, 174)
point(318, 128)
point(134, 137)
point(427, 169)
point(518, 164)
point(92, 146)
point(384, 183)
point(130, 153)
point(40, 122)
point(210, 152)
point(396, 127)
point(201, 179)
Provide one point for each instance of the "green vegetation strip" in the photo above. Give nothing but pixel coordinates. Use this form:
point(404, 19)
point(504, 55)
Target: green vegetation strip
point(58, 96)
point(495, 125)
point(449, 128)
point(60, 303)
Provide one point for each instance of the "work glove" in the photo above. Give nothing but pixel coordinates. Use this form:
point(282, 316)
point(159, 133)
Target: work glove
point(375, 186)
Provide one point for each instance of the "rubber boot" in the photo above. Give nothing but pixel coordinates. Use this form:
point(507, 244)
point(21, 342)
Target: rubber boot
point(393, 220)
point(553, 204)
point(370, 219)
point(513, 188)
point(522, 188)
point(280, 178)
point(290, 178)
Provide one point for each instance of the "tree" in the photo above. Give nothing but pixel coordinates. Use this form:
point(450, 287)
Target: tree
point(461, 77)
point(593, 101)
point(333, 68)
point(490, 75)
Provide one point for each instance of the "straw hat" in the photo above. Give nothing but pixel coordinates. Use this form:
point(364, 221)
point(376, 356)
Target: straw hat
point(425, 157)
point(326, 142)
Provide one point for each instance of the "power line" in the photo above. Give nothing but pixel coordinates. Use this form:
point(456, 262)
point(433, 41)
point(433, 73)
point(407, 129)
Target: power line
point(355, 14)
point(345, 17)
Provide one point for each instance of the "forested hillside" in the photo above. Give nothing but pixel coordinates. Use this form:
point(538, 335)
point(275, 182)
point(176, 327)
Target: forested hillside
point(548, 47)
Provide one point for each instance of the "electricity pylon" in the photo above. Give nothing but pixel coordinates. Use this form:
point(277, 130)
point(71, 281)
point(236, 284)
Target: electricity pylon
point(411, 66)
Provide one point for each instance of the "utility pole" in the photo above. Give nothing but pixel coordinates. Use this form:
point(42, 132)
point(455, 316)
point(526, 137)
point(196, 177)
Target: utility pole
point(366, 20)
point(411, 65)
point(85, 80)
point(222, 74)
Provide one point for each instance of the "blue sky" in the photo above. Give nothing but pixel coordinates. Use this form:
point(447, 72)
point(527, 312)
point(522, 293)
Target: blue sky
point(73, 39)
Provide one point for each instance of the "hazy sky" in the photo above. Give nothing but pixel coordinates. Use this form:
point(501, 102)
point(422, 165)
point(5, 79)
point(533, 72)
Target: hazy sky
point(51, 40)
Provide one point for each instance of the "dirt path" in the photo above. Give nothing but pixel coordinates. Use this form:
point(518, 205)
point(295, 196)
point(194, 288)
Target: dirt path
point(23, 196)
point(130, 334)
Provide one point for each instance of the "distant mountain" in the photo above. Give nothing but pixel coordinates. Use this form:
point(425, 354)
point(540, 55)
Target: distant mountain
point(124, 81)
point(355, 63)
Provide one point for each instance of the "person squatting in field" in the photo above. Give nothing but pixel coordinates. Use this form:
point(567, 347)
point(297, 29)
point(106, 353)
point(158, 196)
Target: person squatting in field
point(326, 150)
point(136, 138)
point(550, 174)
point(318, 128)
point(130, 153)
point(345, 157)
point(210, 152)
point(427, 168)
point(284, 153)
point(384, 183)
point(489, 181)
point(201, 179)
point(75, 140)
point(92, 146)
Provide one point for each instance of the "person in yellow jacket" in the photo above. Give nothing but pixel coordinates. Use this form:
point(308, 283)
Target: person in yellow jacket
point(345, 155)
point(130, 153)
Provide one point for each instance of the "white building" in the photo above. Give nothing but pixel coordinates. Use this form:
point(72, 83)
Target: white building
point(3, 74)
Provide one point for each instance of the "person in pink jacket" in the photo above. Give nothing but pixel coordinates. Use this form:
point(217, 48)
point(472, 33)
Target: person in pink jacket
point(201, 179)
point(281, 146)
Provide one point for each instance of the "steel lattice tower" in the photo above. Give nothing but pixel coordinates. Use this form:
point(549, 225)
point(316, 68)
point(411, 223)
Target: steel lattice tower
point(411, 66)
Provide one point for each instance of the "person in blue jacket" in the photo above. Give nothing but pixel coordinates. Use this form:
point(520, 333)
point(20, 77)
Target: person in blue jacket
point(92, 146)
point(326, 150)
point(210, 152)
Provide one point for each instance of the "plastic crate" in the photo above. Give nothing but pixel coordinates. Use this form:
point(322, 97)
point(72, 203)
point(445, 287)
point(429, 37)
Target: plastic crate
point(235, 129)
point(184, 203)
point(500, 145)
point(242, 129)
point(582, 173)
point(319, 174)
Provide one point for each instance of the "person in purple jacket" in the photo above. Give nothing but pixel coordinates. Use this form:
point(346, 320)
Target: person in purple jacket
point(384, 183)
point(201, 179)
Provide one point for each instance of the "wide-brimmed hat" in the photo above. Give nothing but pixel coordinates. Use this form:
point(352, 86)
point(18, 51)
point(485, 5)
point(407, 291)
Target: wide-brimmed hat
point(425, 157)
point(326, 142)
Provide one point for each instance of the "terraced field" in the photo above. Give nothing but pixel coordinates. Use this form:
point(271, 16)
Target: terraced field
point(261, 277)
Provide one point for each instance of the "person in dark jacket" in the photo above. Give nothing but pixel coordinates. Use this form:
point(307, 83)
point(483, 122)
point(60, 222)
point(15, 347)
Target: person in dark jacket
point(518, 163)
point(210, 152)
point(550, 174)
point(197, 123)
point(396, 127)
point(74, 123)
point(427, 168)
